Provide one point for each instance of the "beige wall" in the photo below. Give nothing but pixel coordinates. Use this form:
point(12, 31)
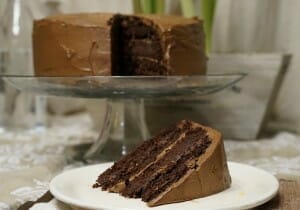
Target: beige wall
point(42, 8)
point(245, 26)
point(2, 5)
point(124, 6)
point(288, 40)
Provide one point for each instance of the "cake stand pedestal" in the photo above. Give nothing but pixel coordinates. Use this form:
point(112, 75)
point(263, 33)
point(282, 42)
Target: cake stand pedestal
point(124, 124)
point(123, 128)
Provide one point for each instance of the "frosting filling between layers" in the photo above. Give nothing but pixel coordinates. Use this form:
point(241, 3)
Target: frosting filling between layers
point(171, 176)
point(138, 47)
point(170, 168)
point(124, 170)
point(192, 166)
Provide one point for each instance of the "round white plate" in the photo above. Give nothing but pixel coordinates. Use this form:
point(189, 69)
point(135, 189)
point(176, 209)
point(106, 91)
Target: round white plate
point(250, 187)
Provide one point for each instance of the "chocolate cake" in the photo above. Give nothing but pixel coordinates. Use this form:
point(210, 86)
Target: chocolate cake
point(183, 162)
point(114, 44)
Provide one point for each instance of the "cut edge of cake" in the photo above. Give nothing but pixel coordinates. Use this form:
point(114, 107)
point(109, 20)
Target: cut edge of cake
point(148, 149)
point(204, 175)
point(212, 169)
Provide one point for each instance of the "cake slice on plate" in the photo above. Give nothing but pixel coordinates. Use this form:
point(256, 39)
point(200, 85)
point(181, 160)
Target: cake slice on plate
point(181, 163)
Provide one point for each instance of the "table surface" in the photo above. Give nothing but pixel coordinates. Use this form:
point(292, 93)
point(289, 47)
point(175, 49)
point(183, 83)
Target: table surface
point(288, 197)
point(28, 162)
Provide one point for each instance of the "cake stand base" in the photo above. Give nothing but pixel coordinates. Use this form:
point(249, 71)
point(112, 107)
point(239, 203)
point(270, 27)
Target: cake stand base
point(123, 129)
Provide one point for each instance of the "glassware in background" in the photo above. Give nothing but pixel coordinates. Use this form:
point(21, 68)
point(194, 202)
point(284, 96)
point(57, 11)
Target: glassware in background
point(21, 110)
point(3, 59)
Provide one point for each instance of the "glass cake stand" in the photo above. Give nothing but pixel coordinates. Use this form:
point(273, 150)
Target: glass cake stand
point(124, 123)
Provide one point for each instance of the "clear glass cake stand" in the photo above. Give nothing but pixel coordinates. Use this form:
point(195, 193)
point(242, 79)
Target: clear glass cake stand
point(124, 124)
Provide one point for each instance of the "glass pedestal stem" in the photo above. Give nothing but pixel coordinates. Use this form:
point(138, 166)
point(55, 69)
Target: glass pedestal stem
point(124, 128)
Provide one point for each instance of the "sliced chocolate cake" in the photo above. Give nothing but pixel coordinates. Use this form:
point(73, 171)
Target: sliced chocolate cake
point(114, 44)
point(183, 162)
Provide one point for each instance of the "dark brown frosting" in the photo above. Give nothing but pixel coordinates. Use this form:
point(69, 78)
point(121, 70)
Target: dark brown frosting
point(80, 44)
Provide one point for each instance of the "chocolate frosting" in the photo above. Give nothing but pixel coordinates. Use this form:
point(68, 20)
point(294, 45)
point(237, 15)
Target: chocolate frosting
point(211, 176)
point(80, 44)
point(72, 45)
point(183, 43)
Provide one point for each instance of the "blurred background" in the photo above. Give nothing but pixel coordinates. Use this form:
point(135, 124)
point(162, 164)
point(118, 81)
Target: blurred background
point(258, 37)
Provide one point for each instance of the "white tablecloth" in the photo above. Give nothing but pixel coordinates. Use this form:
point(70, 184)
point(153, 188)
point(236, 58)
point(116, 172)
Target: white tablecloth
point(28, 160)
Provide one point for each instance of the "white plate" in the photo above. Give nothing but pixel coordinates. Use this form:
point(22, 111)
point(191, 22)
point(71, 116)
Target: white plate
point(250, 187)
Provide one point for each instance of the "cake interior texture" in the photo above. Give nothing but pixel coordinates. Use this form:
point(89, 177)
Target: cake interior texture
point(137, 48)
point(162, 162)
point(130, 165)
point(170, 168)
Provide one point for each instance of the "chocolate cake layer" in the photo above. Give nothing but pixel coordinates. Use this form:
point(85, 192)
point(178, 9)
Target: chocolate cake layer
point(143, 48)
point(100, 44)
point(207, 174)
point(123, 170)
point(171, 167)
point(140, 47)
point(142, 66)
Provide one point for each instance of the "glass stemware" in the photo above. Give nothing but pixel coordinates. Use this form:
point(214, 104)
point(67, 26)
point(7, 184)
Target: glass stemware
point(19, 110)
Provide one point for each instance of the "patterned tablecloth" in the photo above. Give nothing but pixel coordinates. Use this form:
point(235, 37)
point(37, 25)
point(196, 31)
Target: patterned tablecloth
point(29, 160)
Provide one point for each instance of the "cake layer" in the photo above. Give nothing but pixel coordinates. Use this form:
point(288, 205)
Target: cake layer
point(144, 66)
point(171, 167)
point(143, 48)
point(138, 28)
point(121, 172)
point(209, 175)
